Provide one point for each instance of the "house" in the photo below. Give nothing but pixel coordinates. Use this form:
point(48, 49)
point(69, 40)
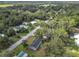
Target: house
point(18, 28)
point(33, 22)
point(2, 35)
point(22, 54)
point(36, 43)
point(23, 26)
point(46, 21)
point(76, 36)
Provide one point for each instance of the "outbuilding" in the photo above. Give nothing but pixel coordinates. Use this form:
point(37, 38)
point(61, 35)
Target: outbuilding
point(22, 54)
point(36, 43)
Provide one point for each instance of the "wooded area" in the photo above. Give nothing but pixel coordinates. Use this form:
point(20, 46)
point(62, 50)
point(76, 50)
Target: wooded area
point(63, 19)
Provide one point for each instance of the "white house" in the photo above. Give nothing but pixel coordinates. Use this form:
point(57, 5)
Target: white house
point(17, 28)
point(76, 36)
point(2, 35)
point(33, 22)
point(23, 26)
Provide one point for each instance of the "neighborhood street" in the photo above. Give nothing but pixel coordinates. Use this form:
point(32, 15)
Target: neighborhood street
point(21, 40)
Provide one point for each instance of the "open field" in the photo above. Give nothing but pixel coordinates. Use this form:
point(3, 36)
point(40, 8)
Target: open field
point(5, 5)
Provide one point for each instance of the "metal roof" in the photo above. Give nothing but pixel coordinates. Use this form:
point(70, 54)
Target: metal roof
point(22, 54)
point(36, 43)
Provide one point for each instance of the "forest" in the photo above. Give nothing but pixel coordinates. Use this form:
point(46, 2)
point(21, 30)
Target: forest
point(63, 22)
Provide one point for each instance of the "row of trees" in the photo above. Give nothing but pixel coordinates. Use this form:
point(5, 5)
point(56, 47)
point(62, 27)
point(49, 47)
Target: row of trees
point(59, 29)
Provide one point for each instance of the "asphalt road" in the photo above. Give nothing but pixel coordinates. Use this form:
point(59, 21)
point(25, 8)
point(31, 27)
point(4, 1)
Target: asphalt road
point(22, 39)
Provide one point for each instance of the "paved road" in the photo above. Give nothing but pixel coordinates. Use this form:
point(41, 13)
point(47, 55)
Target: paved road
point(21, 40)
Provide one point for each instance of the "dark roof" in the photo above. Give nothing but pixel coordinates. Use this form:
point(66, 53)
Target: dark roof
point(36, 43)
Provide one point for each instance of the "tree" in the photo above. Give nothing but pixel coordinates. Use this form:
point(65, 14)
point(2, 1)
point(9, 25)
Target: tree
point(57, 29)
point(10, 32)
point(5, 42)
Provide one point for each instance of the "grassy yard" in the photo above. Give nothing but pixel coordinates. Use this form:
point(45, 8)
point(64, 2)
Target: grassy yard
point(40, 53)
point(14, 38)
point(22, 34)
point(5, 5)
point(72, 52)
point(22, 48)
point(18, 50)
point(30, 40)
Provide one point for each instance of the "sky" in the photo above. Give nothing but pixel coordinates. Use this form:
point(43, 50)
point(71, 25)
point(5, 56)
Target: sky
point(39, 0)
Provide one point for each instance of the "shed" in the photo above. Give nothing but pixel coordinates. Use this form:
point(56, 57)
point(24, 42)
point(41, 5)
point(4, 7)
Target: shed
point(36, 43)
point(22, 54)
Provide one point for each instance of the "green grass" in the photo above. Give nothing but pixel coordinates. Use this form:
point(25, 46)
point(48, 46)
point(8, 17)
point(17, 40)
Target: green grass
point(18, 50)
point(14, 38)
point(22, 48)
point(71, 52)
point(30, 40)
point(5, 5)
point(22, 34)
